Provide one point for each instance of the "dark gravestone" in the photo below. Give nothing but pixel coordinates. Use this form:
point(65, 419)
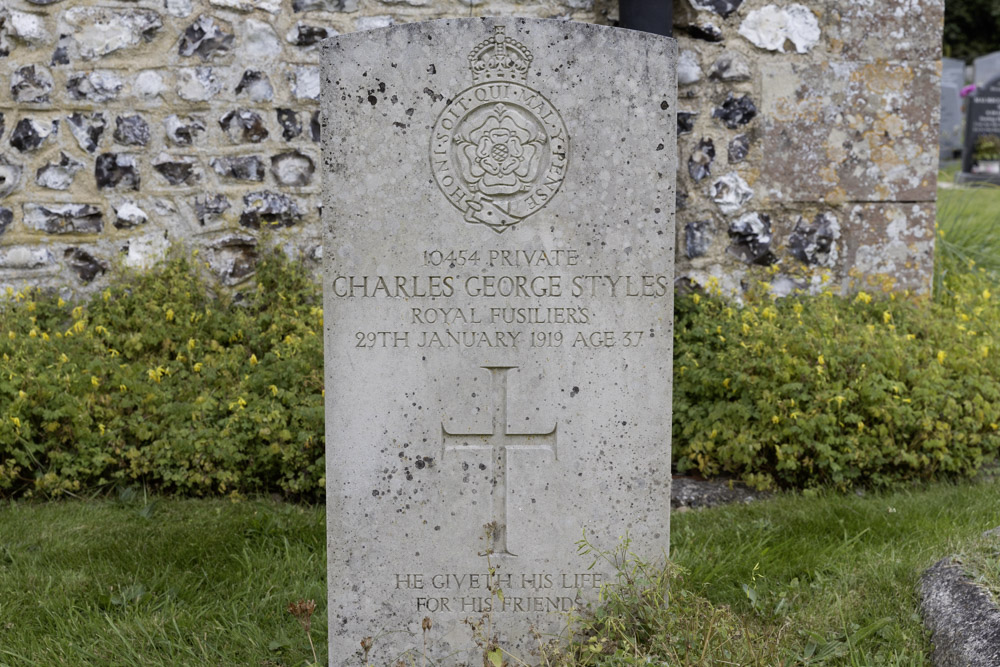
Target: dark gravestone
point(981, 152)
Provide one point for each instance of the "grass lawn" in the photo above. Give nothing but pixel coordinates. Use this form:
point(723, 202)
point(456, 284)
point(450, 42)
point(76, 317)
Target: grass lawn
point(195, 582)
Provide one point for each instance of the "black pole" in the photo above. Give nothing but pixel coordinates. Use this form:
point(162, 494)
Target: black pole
point(655, 16)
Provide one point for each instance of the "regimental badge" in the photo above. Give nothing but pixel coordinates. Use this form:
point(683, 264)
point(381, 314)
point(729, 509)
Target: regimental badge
point(499, 150)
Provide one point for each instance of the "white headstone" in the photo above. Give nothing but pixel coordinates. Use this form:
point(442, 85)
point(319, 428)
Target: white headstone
point(499, 244)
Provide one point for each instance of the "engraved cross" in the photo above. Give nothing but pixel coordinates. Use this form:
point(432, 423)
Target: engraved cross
point(497, 442)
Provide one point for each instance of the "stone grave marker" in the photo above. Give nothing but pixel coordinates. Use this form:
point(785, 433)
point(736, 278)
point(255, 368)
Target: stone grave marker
point(981, 149)
point(986, 68)
point(499, 244)
point(952, 82)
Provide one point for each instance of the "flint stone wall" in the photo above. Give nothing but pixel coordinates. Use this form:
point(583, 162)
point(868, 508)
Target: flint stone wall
point(807, 133)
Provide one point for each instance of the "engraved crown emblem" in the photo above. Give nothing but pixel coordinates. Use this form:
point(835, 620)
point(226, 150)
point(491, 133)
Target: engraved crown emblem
point(499, 58)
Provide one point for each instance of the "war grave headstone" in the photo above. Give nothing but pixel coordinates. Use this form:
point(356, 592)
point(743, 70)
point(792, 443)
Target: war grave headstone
point(986, 68)
point(499, 244)
point(981, 150)
point(952, 82)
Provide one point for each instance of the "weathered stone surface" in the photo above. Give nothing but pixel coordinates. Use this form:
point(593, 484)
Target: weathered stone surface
point(886, 30)
point(751, 239)
point(145, 251)
point(688, 68)
point(325, 5)
point(99, 31)
point(83, 264)
point(244, 126)
point(288, 119)
point(793, 27)
point(29, 134)
point(706, 31)
point(197, 84)
point(314, 127)
point(269, 209)
point(128, 215)
point(308, 35)
point(131, 130)
point(148, 85)
point(735, 112)
point(306, 83)
point(730, 66)
point(685, 122)
point(697, 238)
point(31, 84)
point(448, 482)
point(258, 43)
point(815, 243)
point(372, 22)
point(2, 124)
point(116, 170)
point(183, 131)
point(700, 162)
point(58, 175)
point(963, 619)
point(866, 135)
point(738, 148)
point(87, 129)
point(6, 218)
point(240, 168)
point(722, 7)
point(25, 257)
point(177, 170)
point(891, 239)
point(10, 176)
point(206, 38)
point(293, 169)
point(96, 86)
point(256, 85)
point(210, 208)
point(28, 27)
point(61, 54)
point(730, 193)
point(233, 258)
point(179, 8)
point(63, 218)
point(271, 6)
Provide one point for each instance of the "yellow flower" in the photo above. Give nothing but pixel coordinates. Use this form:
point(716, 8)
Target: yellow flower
point(940, 356)
point(77, 312)
point(17, 422)
point(696, 298)
point(863, 297)
point(11, 335)
point(725, 383)
point(861, 426)
point(821, 360)
point(170, 314)
point(985, 351)
point(101, 428)
point(887, 317)
point(45, 336)
point(60, 302)
point(253, 359)
point(775, 419)
point(197, 367)
point(191, 343)
point(274, 390)
point(94, 381)
point(63, 358)
point(106, 295)
point(986, 294)
point(21, 394)
point(32, 334)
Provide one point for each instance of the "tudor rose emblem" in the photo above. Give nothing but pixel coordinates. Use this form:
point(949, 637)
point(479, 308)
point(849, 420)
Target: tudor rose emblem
point(499, 149)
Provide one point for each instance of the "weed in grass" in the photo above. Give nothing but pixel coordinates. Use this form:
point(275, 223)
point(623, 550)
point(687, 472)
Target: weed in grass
point(303, 611)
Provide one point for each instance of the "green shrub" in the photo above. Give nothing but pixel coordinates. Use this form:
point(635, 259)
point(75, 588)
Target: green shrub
point(157, 381)
point(825, 390)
